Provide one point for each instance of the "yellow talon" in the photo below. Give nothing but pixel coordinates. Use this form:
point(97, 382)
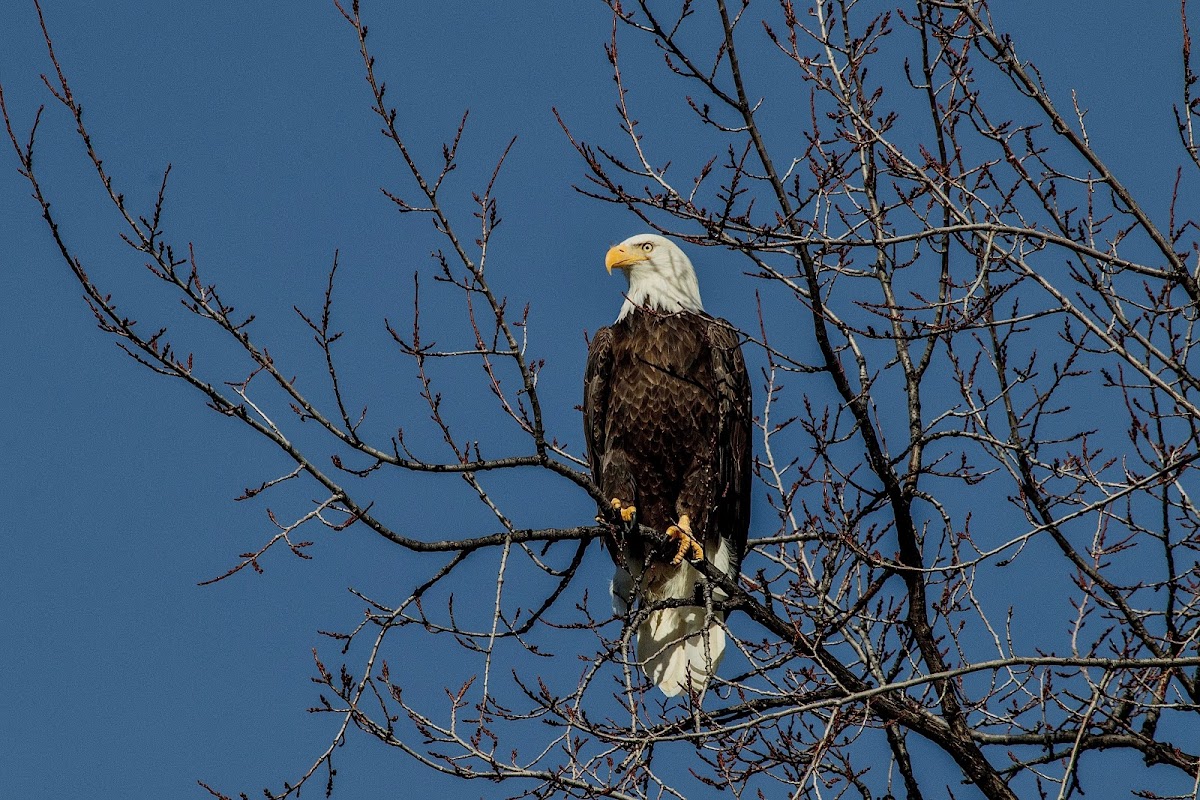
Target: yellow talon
point(627, 512)
point(688, 546)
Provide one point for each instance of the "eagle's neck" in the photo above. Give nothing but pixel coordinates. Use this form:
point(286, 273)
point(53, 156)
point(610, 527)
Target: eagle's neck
point(672, 289)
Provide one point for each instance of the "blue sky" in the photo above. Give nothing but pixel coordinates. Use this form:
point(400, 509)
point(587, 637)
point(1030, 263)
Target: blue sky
point(125, 678)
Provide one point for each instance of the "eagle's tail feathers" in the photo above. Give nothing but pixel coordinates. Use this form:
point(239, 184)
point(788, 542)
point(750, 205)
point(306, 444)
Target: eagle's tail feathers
point(621, 590)
point(680, 649)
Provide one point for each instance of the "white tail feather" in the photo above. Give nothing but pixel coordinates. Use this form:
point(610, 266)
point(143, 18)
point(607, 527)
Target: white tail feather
point(675, 650)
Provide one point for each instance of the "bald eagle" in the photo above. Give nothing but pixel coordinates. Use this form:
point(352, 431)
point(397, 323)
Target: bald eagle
point(667, 422)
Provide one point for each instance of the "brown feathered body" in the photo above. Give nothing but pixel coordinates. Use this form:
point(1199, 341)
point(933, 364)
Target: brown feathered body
point(667, 416)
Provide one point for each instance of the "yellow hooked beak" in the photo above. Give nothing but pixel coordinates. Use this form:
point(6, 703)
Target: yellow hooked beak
point(620, 256)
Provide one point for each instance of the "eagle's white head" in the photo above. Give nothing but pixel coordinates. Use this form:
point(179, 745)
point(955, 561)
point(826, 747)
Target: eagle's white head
point(660, 275)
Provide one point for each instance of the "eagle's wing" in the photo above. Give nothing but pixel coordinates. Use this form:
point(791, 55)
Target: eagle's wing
point(607, 474)
point(731, 512)
point(595, 397)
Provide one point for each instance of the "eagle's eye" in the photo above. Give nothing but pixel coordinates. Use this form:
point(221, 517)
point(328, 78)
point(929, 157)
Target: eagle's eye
point(647, 247)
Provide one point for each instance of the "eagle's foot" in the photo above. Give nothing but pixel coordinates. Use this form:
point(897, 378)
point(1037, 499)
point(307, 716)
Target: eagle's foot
point(689, 548)
point(627, 512)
